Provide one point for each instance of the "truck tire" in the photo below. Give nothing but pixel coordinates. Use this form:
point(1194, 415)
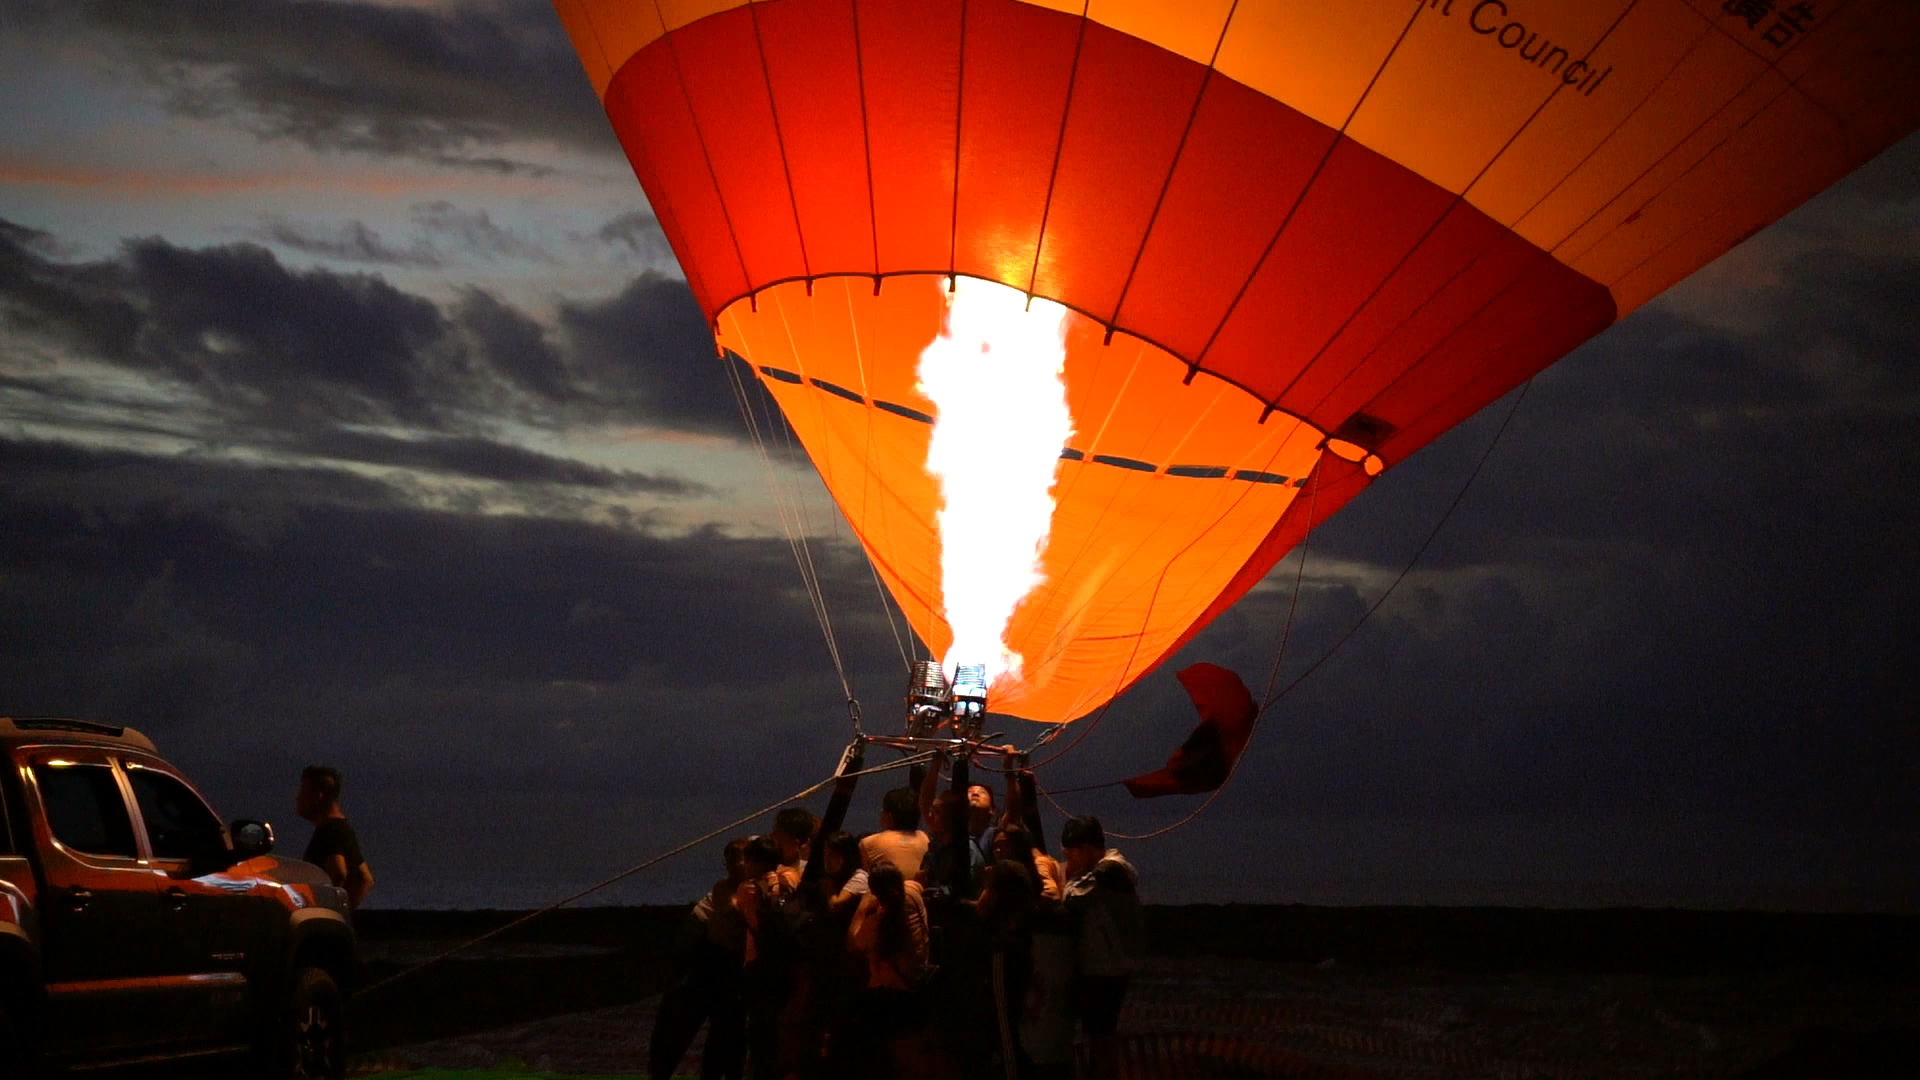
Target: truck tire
point(309, 1037)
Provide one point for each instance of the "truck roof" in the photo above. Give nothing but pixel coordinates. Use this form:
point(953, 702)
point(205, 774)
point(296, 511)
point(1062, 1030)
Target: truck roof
point(59, 729)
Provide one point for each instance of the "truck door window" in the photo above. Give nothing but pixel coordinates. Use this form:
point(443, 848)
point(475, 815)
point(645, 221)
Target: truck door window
point(179, 825)
point(84, 808)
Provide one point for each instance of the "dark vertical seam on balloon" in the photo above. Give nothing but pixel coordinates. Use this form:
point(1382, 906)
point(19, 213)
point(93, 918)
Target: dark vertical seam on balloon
point(1267, 699)
point(1855, 158)
point(1066, 490)
point(1459, 199)
point(1093, 443)
point(1246, 491)
point(662, 206)
point(1450, 400)
point(712, 175)
point(1141, 537)
point(1066, 111)
point(1514, 226)
point(1715, 26)
point(1525, 272)
point(1657, 162)
point(959, 104)
point(1689, 171)
point(663, 213)
point(780, 143)
point(1166, 185)
point(867, 483)
point(866, 140)
point(1700, 223)
point(600, 45)
point(1402, 324)
point(1706, 31)
point(1305, 190)
point(1059, 145)
point(1121, 683)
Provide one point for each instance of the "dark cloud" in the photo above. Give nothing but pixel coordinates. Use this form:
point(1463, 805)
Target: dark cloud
point(238, 327)
point(277, 349)
point(345, 571)
point(516, 346)
point(84, 305)
point(233, 321)
point(484, 459)
point(639, 236)
point(254, 619)
point(449, 85)
point(650, 349)
point(34, 240)
point(353, 241)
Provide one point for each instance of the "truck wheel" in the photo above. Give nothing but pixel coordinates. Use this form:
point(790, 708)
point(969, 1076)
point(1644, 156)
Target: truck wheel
point(310, 1038)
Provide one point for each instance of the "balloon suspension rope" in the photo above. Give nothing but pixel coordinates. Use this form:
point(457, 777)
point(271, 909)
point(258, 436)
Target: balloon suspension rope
point(1270, 698)
point(790, 506)
point(635, 869)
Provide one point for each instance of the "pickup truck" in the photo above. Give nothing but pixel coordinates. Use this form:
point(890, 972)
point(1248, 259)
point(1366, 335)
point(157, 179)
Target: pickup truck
point(135, 926)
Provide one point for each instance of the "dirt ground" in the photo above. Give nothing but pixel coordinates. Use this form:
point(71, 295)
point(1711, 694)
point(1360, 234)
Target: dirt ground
point(1224, 1017)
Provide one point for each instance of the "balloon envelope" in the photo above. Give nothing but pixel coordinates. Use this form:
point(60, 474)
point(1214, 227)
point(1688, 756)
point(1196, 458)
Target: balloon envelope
point(1296, 239)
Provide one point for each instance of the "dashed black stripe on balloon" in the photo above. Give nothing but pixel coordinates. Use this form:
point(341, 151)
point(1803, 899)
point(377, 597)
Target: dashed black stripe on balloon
point(1255, 476)
point(838, 391)
point(1187, 472)
point(902, 410)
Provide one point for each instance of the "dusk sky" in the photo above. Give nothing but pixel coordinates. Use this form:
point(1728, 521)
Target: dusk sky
point(354, 410)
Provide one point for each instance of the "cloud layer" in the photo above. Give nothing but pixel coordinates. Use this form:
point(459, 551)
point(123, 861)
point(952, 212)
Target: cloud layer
point(471, 85)
point(231, 336)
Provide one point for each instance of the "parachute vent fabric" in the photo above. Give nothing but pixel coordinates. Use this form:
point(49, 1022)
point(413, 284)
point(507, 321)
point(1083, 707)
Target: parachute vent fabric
point(1277, 221)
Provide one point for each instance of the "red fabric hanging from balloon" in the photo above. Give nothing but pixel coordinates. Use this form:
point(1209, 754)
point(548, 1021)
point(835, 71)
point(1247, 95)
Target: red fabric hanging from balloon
point(1227, 714)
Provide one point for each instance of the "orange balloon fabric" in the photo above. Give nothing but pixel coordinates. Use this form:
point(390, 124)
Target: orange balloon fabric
point(1296, 236)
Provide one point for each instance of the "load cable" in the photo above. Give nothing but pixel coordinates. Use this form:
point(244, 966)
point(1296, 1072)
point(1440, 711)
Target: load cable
point(788, 507)
point(1270, 698)
point(637, 868)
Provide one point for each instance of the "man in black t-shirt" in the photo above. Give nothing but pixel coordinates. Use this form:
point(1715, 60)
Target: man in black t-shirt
point(334, 847)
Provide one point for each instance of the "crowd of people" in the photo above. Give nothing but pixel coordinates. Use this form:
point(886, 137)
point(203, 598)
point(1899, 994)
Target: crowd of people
point(960, 950)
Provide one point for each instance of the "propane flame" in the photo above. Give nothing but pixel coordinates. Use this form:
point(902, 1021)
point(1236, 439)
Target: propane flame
point(996, 374)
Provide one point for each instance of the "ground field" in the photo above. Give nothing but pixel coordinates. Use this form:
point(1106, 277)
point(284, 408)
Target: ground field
point(1247, 991)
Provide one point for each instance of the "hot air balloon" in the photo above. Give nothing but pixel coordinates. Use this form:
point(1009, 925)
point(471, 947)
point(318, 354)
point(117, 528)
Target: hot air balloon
point(1087, 311)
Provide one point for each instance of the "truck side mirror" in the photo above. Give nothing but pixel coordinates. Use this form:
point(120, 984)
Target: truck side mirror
point(251, 839)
